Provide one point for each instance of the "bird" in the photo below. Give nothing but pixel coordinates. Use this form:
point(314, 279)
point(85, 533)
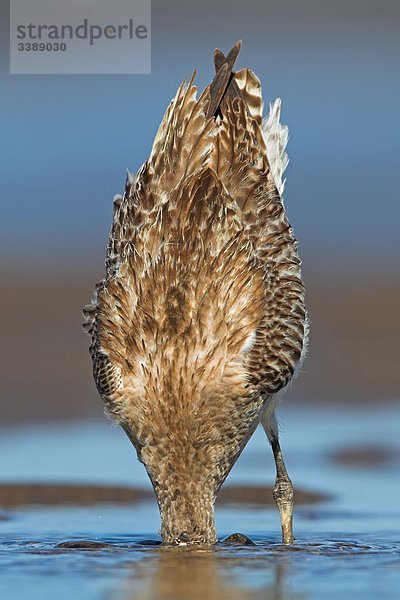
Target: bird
point(200, 323)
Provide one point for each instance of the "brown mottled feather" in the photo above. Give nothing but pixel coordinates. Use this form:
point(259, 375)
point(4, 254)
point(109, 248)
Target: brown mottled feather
point(201, 315)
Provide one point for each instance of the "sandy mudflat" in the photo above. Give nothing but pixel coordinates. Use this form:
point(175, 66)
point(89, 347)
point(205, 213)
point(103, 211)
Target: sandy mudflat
point(12, 495)
point(45, 371)
point(365, 456)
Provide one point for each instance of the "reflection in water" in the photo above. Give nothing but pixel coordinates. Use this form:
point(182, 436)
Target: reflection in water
point(212, 574)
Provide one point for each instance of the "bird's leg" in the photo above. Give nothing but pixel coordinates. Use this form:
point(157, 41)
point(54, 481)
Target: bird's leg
point(283, 490)
point(283, 494)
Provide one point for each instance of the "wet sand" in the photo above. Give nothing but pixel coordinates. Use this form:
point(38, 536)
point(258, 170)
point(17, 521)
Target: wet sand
point(45, 373)
point(23, 494)
point(365, 456)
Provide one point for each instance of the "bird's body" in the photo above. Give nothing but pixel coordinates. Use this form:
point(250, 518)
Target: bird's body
point(200, 320)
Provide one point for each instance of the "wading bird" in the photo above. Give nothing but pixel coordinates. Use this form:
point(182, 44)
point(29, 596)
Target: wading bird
point(200, 322)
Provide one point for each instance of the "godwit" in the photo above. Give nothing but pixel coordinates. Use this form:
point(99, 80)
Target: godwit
point(200, 322)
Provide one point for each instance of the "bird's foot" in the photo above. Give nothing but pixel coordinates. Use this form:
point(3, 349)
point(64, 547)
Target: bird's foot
point(284, 498)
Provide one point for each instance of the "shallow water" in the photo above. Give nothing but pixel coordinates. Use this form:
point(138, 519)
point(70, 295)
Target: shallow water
point(349, 545)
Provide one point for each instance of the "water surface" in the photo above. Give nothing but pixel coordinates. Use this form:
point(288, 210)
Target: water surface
point(348, 545)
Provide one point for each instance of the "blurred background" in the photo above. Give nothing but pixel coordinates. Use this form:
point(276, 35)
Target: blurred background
point(67, 141)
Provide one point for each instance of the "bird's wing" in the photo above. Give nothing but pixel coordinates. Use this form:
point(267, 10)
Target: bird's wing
point(251, 173)
point(104, 321)
point(181, 147)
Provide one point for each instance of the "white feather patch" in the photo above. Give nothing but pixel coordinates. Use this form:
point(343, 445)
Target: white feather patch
point(276, 138)
point(130, 180)
point(249, 342)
